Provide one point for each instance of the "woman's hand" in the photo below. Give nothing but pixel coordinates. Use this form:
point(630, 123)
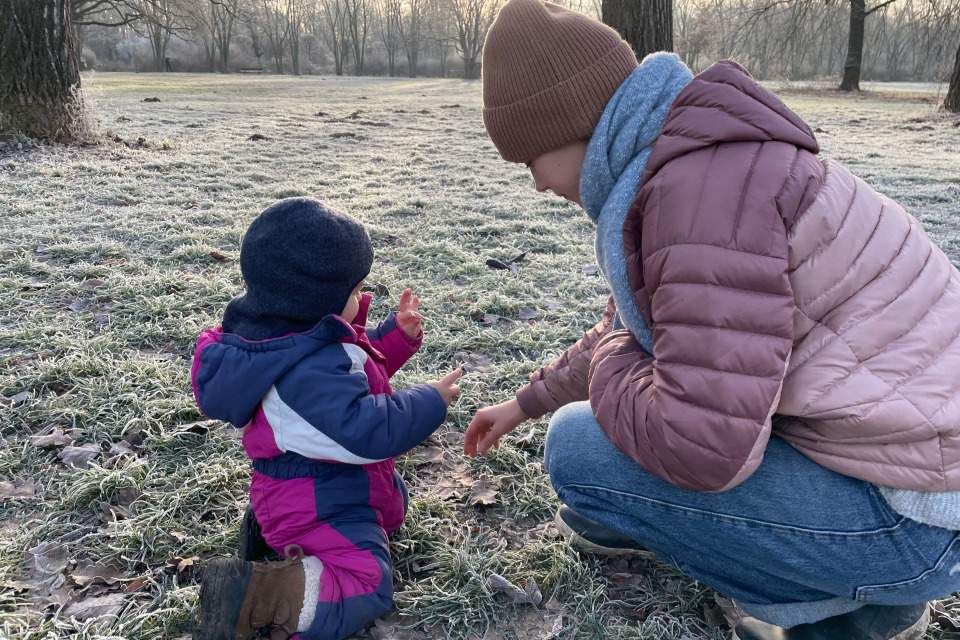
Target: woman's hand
point(490, 424)
point(408, 316)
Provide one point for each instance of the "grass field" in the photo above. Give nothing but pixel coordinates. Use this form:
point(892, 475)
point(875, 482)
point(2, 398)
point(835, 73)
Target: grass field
point(112, 258)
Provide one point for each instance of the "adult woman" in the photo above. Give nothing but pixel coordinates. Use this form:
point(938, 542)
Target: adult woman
point(757, 290)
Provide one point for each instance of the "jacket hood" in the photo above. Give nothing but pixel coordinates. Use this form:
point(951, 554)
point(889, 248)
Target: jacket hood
point(725, 104)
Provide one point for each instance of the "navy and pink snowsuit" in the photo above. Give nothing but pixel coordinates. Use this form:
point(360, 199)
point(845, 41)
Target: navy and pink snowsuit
point(323, 426)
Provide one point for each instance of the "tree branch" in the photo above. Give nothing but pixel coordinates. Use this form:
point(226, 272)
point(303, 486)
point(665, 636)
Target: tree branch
point(879, 6)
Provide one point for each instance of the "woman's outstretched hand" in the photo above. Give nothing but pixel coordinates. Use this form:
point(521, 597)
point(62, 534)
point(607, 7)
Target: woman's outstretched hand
point(490, 424)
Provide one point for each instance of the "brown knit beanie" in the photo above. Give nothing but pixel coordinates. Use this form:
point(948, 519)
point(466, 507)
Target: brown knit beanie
point(548, 74)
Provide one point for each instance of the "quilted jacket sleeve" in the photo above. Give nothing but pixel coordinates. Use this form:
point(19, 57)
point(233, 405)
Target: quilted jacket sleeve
point(565, 379)
point(716, 273)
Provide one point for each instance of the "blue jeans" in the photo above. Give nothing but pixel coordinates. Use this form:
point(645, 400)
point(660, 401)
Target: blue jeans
point(795, 543)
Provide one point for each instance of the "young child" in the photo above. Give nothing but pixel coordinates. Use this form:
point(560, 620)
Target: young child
point(295, 367)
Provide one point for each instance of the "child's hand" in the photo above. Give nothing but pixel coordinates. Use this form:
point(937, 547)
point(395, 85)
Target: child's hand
point(408, 317)
point(448, 386)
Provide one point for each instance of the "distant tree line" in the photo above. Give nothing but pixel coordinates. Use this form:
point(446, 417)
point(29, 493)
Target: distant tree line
point(905, 40)
point(359, 37)
point(45, 43)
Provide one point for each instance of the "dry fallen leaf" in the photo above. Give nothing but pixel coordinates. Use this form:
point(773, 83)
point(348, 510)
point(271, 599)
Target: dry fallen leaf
point(182, 564)
point(118, 449)
point(201, 427)
point(90, 608)
point(474, 362)
point(19, 489)
point(448, 490)
point(56, 438)
point(731, 612)
point(498, 583)
point(92, 283)
point(946, 619)
point(34, 285)
point(61, 596)
point(483, 493)
point(47, 558)
point(216, 255)
point(20, 398)
point(528, 313)
point(427, 455)
point(79, 457)
point(527, 440)
point(530, 594)
point(84, 576)
point(713, 615)
point(378, 289)
point(179, 536)
point(453, 484)
point(534, 595)
point(135, 585)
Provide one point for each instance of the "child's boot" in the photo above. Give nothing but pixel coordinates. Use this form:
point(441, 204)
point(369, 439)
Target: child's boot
point(239, 598)
point(252, 545)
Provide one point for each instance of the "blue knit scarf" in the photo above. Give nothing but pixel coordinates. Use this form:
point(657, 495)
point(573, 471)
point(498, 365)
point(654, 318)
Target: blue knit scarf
point(616, 157)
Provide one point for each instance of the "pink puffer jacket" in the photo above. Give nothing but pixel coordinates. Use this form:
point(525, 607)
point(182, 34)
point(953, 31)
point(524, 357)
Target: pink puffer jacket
point(775, 283)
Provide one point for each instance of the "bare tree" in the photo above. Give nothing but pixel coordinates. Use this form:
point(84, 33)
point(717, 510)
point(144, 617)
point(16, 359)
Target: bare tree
point(851, 68)
point(329, 20)
point(39, 71)
point(646, 24)
point(275, 27)
point(388, 21)
point(159, 20)
point(256, 37)
point(294, 12)
point(952, 103)
point(224, 15)
point(105, 13)
point(472, 19)
point(358, 25)
point(411, 33)
point(439, 31)
point(199, 18)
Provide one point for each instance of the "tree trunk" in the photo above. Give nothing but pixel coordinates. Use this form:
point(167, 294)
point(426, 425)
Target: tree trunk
point(646, 24)
point(952, 103)
point(39, 71)
point(413, 61)
point(851, 68)
point(471, 70)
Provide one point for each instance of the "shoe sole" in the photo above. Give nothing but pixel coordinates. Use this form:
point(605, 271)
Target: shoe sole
point(914, 632)
point(222, 592)
point(580, 543)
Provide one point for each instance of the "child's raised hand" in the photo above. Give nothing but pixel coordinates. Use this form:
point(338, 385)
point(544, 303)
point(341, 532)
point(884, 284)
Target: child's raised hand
point(408, 318)
point(447, 386)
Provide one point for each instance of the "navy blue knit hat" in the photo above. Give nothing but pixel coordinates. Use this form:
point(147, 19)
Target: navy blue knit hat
point(300, 261)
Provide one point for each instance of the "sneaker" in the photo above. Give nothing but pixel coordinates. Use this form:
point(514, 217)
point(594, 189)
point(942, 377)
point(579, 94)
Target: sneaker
point(583, 534)
point(871, 622)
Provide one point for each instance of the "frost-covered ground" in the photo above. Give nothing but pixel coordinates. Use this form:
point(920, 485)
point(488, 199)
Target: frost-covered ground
point(112, 258)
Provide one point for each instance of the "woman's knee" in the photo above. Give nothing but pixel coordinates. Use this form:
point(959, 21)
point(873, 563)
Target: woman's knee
point(570, 429)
